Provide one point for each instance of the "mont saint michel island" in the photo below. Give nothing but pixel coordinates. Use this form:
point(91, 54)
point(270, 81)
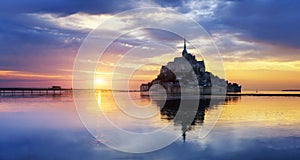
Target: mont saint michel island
point(185, 73)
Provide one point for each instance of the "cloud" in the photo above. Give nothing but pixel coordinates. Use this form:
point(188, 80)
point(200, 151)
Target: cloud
point(33, 44)
point(275, 22)
point(17, 74)
point(268, 21)
point(169, 3)
point(64, 7)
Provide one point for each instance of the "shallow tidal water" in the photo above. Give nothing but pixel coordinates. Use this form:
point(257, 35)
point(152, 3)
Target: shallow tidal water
point(249, 127)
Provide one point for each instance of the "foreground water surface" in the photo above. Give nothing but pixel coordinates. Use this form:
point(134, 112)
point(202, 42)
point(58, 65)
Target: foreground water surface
point(249, 127)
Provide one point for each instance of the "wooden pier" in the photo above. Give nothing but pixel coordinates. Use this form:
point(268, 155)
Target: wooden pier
point(34, 91)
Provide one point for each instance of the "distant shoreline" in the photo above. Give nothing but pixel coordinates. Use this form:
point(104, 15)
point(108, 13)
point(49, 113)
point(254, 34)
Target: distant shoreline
point(291, 90)
point(264, 94)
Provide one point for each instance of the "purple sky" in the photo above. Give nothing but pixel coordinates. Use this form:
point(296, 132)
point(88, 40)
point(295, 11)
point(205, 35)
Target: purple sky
point(39, 39)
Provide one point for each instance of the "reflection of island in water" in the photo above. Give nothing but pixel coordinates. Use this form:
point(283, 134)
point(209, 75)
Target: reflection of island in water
point(170, 108)
point(185, 74)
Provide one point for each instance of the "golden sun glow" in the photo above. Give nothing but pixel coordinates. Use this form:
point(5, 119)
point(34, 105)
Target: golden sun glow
point(99, 81)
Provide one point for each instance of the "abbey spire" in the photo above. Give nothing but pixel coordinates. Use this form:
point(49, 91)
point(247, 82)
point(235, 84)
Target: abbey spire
point(184, 52)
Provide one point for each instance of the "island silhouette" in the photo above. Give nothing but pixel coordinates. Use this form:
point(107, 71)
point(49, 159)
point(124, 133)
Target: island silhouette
point(186, 73)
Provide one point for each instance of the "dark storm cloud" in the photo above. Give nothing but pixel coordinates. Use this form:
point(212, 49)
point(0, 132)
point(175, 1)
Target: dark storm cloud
point(64, 7)
point(275, 22)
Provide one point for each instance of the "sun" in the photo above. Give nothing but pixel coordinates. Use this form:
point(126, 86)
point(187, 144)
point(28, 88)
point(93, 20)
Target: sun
point(99, 81)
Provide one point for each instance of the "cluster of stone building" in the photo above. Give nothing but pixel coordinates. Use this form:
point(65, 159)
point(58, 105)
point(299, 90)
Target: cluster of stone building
point(186, 72)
